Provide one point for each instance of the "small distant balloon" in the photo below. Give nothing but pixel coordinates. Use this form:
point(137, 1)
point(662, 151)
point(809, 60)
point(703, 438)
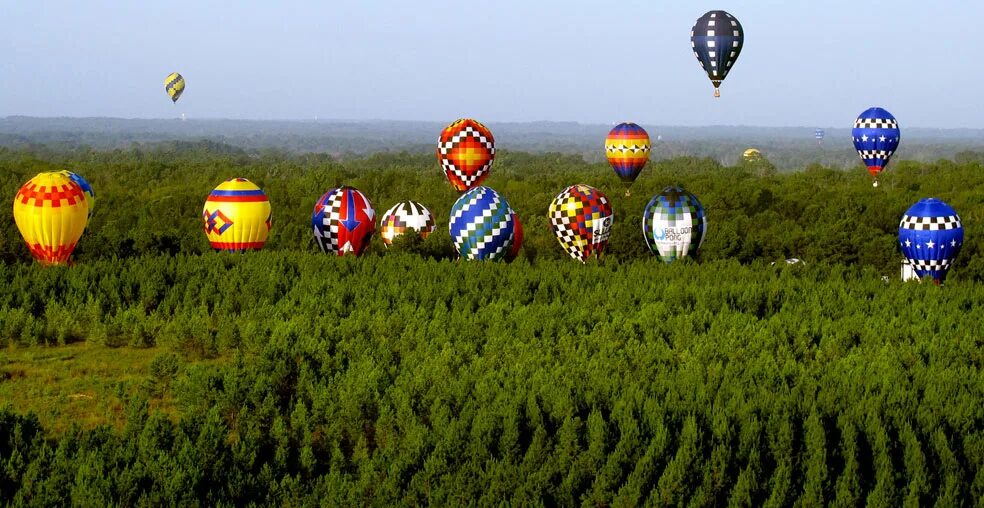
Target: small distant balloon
point(818, 134)
point(174, 85)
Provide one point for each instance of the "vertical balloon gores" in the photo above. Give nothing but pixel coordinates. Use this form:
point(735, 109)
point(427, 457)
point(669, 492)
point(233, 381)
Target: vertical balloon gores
point(403, 216)
point(466, 151)
point(237, 216)
point(51, 212)
point(717, 39)
point(930, 235)
point(581, 218)
point(482, 225)
point(674, 224)
point(627, 148)
point(174, 85)
point(343, 221)
point(876, 136)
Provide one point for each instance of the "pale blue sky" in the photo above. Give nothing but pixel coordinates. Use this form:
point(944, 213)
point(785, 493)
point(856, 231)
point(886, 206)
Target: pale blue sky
point(804, 62)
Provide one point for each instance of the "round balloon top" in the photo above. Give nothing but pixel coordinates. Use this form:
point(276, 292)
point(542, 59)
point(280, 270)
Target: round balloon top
point(930, 235)
point(751, 155)
point(581, 218)
point(174, 85)
point(674, 224)
point(90, 195)
point(404, 216)
point(466, 150)
point(51, 212)
point(627, 148)
point(237, 216)
point(717, 39)
point(344, 221)
point(482, 225)
point(876, 136)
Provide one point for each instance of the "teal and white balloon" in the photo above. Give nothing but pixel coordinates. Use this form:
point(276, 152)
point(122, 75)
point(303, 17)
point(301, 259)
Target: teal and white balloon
point(674, 224)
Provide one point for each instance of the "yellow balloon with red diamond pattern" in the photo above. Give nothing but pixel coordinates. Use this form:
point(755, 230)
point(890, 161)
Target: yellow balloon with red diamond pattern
point(51, 212)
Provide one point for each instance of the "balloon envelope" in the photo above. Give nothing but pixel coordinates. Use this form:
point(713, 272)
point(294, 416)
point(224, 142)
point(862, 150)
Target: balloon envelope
point(90, 195)
point(51, 212)
point(717, 39)
point(517, 238)
point(581, 218)
point(237, 216)
point(174, 85)
point(930, 235)
point(482, 225)
point(344, 221)
point(403, 216)
point(627, 148)
point(876, 136)
point(466, 150)
point(674, 224)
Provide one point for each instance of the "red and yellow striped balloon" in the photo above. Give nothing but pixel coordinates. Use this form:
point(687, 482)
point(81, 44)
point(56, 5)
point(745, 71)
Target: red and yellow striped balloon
point(51, 212)
point(237, 216)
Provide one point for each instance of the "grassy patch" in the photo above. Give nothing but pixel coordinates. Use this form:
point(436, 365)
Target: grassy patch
point(81, 383)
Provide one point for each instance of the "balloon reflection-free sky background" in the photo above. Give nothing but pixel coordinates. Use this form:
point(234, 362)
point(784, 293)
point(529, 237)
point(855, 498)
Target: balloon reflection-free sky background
point(813, 63)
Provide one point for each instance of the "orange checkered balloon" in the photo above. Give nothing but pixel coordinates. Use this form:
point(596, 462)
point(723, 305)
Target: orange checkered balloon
point(466, 150)
point(51, 212)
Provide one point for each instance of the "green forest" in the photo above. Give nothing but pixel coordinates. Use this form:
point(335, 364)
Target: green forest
point(154, 371)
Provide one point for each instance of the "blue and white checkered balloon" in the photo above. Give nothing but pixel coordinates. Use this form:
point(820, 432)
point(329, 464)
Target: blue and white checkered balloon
point(482, 225)
point(931, 235)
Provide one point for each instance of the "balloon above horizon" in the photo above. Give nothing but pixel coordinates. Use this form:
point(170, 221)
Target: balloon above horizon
point(717, 39)
point(627, 148)
point(876, 137)
point(466, 150)
point(174, 85)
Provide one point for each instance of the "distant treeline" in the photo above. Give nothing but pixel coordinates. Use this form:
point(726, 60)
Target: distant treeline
point(789, 148)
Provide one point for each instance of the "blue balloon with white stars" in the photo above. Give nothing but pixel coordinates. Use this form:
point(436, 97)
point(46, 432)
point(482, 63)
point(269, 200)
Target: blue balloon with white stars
point(876, 136)
point(931, 235)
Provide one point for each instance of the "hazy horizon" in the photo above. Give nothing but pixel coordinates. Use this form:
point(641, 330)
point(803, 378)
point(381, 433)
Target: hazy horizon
point(810, 64)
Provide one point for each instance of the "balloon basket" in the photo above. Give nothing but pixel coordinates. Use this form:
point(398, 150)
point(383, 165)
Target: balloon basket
point(628, 193)
point(875, 184)
point(717, 92)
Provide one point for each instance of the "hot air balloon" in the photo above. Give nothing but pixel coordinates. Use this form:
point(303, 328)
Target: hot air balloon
point(174, 85)
point(466, 150)
point(819, 135)
point(581, 218)
point(51, 212)
point(627, 148)
point(930, 235)
point(517, 238)
point(343, 221)
point(403, 216)
point(717, 39)
point(90, 195)
point(237, 216)
point(876, 137)
point(674, 224)
point(482, 225)
point(751, 155)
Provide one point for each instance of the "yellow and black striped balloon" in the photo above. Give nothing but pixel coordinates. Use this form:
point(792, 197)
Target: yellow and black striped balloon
point(174, 85)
